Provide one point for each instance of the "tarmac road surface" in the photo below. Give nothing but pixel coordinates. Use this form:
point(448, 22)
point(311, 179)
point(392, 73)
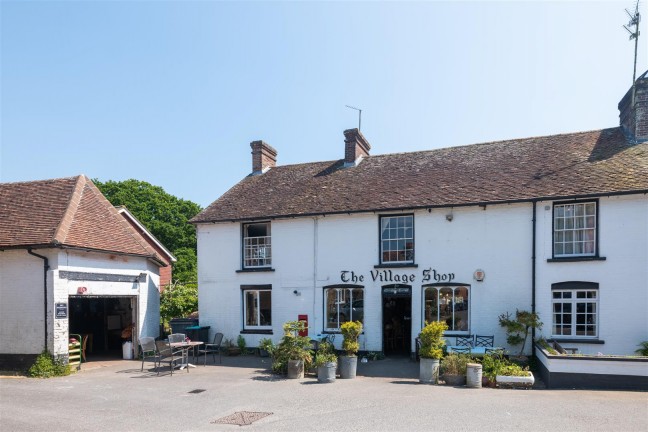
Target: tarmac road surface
point(119, 397)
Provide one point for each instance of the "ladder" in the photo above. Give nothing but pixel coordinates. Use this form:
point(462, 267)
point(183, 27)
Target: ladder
point(74, 352)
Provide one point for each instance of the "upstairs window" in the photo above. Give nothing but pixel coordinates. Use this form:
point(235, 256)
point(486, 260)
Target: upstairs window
point(574, 231)
point(257, 245)
point(397, 239)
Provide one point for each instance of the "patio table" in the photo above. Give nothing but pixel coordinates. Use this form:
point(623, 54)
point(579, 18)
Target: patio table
point(474, 351)
point(185, 347)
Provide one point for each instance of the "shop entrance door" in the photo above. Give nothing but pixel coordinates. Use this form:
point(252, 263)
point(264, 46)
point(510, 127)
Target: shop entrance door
point(397, 319)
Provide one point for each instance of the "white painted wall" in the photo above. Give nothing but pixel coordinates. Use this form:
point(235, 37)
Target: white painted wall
point(622, 277)
point(310, 253)
point(22, 328)
point(21, 295)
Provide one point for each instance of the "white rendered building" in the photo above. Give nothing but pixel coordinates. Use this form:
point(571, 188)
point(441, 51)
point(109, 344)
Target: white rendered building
point(556, 225)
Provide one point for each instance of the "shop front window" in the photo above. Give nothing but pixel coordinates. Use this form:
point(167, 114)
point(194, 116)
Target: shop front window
point(450, 304)
point(342, 304)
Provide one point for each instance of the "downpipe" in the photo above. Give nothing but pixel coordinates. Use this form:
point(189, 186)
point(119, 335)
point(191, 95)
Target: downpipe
point(45, 269)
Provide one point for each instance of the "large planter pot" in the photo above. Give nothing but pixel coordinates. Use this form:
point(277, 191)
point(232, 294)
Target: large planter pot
point(326, 372)
point(263, 353)
point(454, 380)
point(295, 369)
point(429, 370)
point(515, 381)
point(348, 367)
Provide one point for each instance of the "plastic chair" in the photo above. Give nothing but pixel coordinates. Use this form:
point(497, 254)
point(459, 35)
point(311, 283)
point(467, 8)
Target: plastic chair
point(213, 348)
point(484, 341)
point(464, 341)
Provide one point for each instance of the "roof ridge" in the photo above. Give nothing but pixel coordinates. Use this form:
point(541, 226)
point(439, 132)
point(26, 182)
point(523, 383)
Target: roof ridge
point(40, 181)
point(510, 140)
point(64, 225)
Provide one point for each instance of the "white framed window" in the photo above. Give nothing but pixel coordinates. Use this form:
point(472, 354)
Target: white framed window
point(575, 309)
point(397, 239)
point(257, 307)
point(257, 245)
point(574, 229)
point(342, 304)
point(450, 304)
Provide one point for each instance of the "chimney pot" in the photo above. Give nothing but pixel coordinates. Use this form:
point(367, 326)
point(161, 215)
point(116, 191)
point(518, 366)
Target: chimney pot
point(264, 157)
point(356, 147)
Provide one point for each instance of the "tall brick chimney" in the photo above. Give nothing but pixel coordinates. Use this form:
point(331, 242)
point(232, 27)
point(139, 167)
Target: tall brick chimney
point(634, 118)
point(356, 147)
point(263, 157)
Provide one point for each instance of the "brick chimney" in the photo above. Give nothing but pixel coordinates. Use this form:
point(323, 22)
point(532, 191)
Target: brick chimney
point(356, 147)
point(264, 157)
point(634, 118)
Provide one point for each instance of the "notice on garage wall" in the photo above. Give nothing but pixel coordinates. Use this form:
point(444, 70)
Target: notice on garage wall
point(61, 310)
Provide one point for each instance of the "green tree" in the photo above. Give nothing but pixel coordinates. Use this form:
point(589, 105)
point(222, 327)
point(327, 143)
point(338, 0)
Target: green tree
point(178, 300)
point(164, 215)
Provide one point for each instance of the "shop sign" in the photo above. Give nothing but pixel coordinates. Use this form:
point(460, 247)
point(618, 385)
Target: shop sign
point(61, 310)
point(427, 275)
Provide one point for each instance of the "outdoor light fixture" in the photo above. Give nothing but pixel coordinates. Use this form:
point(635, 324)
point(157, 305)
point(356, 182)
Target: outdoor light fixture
point(297, 293)
point(449, 217)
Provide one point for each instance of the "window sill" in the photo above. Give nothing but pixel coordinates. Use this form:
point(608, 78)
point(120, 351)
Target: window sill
point(396, 265)
point(580, 341)
point(576, 259)
point(254, 270)
point(257, 331)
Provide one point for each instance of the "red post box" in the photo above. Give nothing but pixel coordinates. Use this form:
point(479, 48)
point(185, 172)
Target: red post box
point(304, 319)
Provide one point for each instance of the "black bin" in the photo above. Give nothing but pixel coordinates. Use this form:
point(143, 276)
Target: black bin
point(179, 325)
point(198, 333)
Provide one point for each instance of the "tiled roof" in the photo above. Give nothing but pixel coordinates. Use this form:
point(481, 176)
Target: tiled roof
point(68, 212)
point(558, 166)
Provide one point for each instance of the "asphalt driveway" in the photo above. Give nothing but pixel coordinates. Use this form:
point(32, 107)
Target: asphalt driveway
point(120, 397)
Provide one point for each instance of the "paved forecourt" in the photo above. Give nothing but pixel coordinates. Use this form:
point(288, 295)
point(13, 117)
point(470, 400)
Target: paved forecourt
point(119, 397)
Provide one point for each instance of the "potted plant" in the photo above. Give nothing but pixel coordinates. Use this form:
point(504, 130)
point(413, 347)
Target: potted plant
point(242, 345)
point(453, 369)
point(431, 351)
point(266, 347)
point(292, 355)
point(517, 329)
point(351, 331)
point(491, 365)
point(326, 363)
point(514, 375)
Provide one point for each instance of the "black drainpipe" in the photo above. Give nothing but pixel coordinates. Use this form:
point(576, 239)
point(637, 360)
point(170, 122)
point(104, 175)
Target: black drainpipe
point(533, 272)
point(45, 268)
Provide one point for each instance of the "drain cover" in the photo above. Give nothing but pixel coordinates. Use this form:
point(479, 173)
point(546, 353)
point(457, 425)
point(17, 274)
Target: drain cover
point(197, 391)
point(242, 418)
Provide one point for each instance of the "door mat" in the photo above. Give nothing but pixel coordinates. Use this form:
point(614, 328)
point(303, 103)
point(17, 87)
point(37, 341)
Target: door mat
point(242, 418)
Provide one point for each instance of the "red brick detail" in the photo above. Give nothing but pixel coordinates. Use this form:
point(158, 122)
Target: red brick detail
point(355, 145)
point(263, 156)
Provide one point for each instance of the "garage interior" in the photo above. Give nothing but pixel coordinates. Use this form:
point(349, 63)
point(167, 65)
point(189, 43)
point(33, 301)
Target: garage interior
point(105, 322)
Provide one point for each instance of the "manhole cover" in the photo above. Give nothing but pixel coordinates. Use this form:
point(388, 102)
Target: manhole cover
point(242, 418)
point(197, 391)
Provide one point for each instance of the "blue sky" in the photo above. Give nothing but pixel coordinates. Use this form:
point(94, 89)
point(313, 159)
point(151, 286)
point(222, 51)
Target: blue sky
point(172, 93)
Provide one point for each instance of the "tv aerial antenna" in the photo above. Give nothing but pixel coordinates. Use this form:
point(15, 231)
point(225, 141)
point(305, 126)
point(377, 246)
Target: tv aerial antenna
point(635, 18)
point(360, 114)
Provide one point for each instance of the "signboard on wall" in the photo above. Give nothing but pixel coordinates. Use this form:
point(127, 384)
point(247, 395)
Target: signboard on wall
point(61, 310)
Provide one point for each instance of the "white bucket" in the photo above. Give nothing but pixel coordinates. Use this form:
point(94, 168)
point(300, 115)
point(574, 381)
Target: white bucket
point(474, 375)
point(127, 348)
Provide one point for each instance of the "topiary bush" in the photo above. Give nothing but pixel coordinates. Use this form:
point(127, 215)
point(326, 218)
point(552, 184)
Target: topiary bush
point(432, 340)
point(46, 366)
point(351, 331)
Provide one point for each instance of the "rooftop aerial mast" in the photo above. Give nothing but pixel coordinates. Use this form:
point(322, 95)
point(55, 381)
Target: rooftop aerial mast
point(635, 18)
